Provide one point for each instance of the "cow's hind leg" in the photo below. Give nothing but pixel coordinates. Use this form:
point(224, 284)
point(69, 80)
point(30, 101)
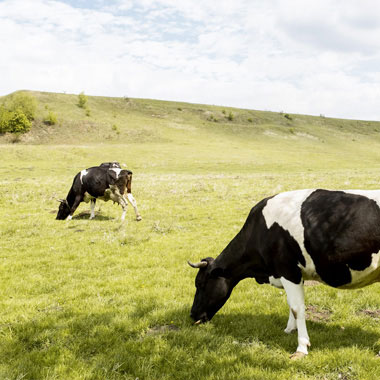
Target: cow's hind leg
point(116, 196)
point(292, 323)
point(296, 302)
point(133, 202)
point(123, 203)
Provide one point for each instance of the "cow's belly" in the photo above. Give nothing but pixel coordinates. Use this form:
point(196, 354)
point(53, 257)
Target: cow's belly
point(359, 278)
point(368, 276)
point(87, 197)
point(105, 197)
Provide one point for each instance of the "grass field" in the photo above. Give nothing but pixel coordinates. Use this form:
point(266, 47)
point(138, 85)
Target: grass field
point(102, 299)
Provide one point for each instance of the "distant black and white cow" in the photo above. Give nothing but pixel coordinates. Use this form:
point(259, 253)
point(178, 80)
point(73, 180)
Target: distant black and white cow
point(106, 182)
point(329, 236)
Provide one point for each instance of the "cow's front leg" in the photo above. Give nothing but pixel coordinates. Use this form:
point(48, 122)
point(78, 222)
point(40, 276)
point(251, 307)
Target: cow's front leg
point(92, 207)
point(133, 202)
point(78, 199)
point(296, 301)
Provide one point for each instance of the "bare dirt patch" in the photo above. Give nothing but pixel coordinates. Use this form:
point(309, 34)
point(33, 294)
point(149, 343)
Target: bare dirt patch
point(375, 314)
point(317, 313)
point(155, 330)
point(311, 283)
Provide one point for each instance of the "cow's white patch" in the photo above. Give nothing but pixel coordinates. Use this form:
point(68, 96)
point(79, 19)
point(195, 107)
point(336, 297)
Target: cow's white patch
point(82, 174)
point(368, 276)
point(276, 282)
point(117, 171)
point(285, 210)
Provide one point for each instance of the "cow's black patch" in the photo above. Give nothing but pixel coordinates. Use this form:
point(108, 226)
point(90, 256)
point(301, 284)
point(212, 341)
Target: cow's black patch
point(279, 252)
point(283, 254)
point(259, 252)
point(341, 232)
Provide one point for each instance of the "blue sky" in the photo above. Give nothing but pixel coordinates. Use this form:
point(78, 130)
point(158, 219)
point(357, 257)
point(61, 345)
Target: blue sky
point(301, 56)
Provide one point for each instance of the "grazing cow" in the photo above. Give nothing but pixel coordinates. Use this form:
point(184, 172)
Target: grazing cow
point(106, 182)
point(329, 236)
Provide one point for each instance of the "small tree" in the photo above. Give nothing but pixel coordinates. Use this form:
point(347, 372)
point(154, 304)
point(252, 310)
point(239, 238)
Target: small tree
point(22, 102)
point(14, 121)
point(17, 112)
point(82, 100)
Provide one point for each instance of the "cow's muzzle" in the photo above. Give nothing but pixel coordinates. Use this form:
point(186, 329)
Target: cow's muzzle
point(201, 319)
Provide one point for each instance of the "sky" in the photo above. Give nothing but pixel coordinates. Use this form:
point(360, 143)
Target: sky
point(317, 57)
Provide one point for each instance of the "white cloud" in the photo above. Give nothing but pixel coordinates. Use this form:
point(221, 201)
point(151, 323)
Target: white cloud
point(296, 55)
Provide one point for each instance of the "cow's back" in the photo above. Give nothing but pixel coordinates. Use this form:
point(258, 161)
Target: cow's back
point(337, 232)
point(341, 233)
point(95, 181)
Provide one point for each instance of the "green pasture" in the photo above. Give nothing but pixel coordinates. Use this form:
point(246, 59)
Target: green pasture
point(102, 299)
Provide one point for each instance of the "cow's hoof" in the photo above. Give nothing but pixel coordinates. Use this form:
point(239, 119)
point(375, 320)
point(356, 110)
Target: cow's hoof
point(289, 331)
point(138, 218)
point(297, 355)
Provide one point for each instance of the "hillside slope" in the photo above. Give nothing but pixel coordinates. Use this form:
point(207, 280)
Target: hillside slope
point(187, 137)
point(142, 120)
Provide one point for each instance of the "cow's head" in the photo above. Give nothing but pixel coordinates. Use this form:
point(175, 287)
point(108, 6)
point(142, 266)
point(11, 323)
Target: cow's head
point(213, 290)
point(63, 210)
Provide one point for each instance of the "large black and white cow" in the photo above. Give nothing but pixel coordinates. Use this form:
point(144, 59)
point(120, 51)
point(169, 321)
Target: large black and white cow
point(106, 182)
point(329, 236)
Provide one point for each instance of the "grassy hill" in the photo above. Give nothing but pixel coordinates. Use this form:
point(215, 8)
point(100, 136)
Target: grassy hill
point(185, 134)
point(142, 120)
point(102, 299)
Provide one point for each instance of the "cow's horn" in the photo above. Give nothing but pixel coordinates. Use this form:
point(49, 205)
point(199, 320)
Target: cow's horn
point(61, 200)
point(201, 264)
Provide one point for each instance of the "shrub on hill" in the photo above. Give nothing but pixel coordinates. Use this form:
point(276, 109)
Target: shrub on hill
point(50, 118)
point(82, 100)
point(17, 112)
point(22, 102)
point(13, 121)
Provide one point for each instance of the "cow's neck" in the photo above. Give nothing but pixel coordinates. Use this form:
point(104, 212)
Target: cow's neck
point(70, 197)
point(240, 260)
